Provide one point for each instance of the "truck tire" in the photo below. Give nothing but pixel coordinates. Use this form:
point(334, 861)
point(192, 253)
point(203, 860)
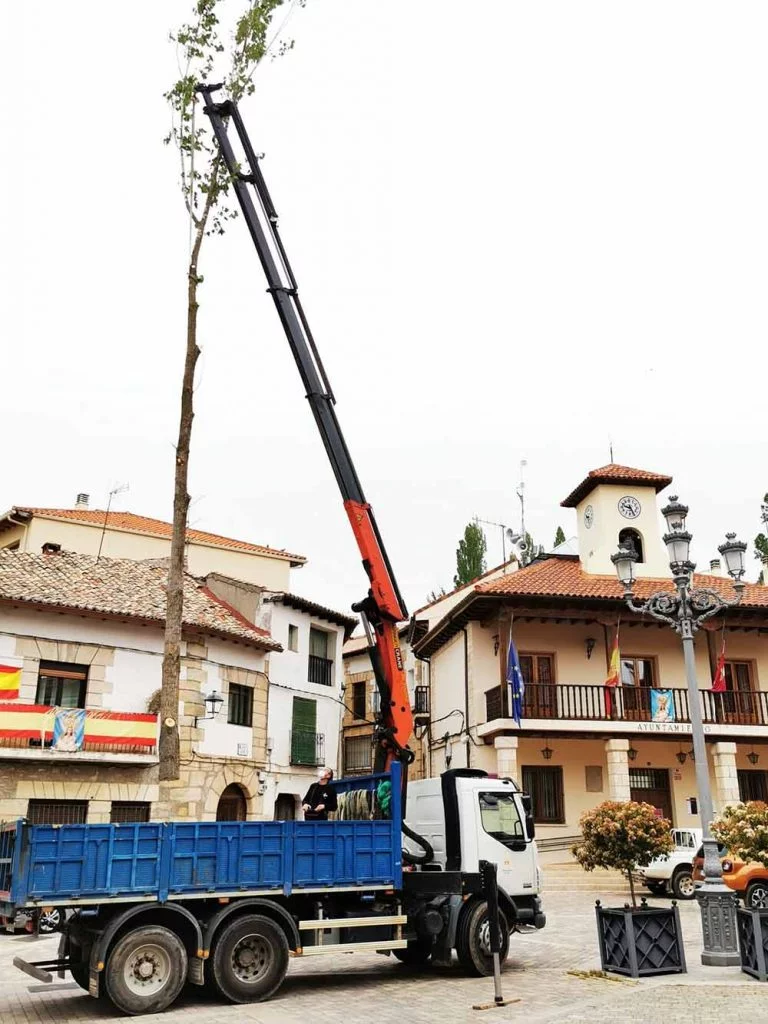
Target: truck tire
point(416, 954)
point(146, 970)
point(657, 888)
point(683, 886)
point(249, 959)
point(473, 945)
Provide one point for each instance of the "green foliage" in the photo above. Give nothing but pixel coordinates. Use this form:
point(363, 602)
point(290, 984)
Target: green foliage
point(435, 595)
point(204, 57)
point(761, 541)
point(743, 831)
point(470, 555)
point(559, 536)
point(622, 836)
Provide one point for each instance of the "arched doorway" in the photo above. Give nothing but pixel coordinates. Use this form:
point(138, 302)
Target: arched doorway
point(232, 804)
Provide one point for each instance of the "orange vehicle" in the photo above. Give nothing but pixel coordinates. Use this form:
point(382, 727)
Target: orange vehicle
point(750, 881)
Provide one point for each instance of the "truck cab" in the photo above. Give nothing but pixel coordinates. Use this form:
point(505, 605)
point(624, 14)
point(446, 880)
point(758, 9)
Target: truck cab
point(469, 817)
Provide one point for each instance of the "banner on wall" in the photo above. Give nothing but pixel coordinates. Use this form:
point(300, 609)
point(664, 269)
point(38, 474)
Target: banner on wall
point(662, 706)
point(69, 730)
point(72, 729)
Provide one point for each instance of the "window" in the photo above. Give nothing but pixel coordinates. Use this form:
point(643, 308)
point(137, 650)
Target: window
point(631, 538)
point(637, 679)
point(293, 638)
point(375, 700)
point(358, 753)
point(306, 744)
point(540, 694)
point(125, 812)
point(61, 685)
point(57, 812)
point(359, 699)
point(637, 672)
point(240, 711)
point(753, 785)
point(320, 665)
point(545, 788)
point(318, 642)
point(500, 817)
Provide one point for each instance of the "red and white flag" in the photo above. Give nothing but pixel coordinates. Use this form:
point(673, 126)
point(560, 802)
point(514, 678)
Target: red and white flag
point(718, 683)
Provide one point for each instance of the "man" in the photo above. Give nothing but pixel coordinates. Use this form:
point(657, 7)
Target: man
point(321, 798)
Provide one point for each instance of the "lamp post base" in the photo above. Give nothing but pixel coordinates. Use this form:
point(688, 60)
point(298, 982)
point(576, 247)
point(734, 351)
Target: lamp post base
point(718, 924)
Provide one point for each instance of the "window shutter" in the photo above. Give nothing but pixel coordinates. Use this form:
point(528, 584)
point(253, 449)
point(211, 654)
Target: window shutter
point(303, 729)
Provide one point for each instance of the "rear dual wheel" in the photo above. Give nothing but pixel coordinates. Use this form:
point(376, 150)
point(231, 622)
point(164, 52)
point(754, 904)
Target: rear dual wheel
point(249, 959)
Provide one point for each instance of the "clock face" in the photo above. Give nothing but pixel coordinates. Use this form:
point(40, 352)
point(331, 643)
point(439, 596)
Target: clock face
point(629, 507)
point(589, 516)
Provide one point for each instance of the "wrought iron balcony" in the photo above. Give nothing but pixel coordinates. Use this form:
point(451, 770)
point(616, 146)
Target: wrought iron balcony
point(307, 748)
point(597, 703)
point(320, 670)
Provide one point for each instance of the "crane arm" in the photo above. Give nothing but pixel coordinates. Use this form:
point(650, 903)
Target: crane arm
point(383, 608)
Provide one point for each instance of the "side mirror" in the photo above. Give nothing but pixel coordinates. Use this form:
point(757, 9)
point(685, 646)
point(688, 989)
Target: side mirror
point(530, 826)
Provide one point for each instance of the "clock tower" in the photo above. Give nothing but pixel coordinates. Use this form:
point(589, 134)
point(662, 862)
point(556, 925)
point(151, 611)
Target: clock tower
point(614, 505)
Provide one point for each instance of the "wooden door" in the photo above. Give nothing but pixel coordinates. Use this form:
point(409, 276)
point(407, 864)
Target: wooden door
point(651, 786)
point(540, 697)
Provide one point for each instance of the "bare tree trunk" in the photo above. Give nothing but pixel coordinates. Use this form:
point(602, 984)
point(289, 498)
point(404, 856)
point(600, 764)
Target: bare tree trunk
point(631, 888)
point(169, 694)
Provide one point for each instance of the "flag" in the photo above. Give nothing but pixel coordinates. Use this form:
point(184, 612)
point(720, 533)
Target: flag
point(515, 682)
point(10, 680)
point(614, 672)
point(718, 683)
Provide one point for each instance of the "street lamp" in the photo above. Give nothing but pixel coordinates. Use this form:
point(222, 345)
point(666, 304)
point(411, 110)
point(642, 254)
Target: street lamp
point(685, 609)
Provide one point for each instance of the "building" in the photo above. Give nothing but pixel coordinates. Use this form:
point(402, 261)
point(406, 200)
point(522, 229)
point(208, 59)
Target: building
point(306, 685)
point(81, 644)
point(578, 742)
point(126, 535)
point(361, 697)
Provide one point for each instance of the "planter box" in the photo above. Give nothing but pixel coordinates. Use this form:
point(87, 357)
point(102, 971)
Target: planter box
point(752, 926)
point(640, 942)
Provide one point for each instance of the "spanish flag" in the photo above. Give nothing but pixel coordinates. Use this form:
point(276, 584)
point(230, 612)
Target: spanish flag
point(614, 673)
point(10, 680)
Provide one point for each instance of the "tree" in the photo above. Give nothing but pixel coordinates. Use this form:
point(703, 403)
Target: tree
point(204, 184)
point(470, 555)
point(622, 835)
point(435, 595)
point(743, 831)
point(559, 536)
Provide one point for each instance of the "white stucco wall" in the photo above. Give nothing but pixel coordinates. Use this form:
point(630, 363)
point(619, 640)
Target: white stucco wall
point(598, 542)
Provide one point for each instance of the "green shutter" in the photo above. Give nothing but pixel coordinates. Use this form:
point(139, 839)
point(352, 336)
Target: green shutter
point(303, 731)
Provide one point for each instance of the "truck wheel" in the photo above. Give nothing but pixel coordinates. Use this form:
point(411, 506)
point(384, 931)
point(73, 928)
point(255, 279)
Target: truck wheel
point(249, 959)
point(146, 970)
point(473, 940)
point(683, 886)
point(416, 954)
point(657, 888)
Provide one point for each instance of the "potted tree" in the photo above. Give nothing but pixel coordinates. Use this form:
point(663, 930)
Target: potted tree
point(634, 940)
point(743, 831)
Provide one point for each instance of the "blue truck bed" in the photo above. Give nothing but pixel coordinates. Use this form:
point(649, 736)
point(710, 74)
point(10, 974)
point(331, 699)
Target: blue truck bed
point(88, 864)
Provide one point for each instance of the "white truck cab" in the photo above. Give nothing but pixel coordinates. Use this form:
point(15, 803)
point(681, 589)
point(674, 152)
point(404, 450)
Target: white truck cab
point(674, 873)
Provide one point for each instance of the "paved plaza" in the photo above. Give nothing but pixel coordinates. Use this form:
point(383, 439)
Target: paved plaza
point(368, 989)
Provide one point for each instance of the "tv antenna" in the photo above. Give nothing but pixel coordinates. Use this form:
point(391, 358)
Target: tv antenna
point(118, 489)
point(505, 534)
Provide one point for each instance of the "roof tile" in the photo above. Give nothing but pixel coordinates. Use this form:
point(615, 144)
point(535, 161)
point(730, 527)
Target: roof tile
point(614, 473)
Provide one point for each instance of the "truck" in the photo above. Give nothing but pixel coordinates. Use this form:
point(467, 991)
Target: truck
point(228, 904)
point(674, 871)
point(415, 870)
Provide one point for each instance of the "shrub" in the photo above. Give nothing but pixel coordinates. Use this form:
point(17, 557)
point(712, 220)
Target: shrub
point(622, 835)
point(743, 831)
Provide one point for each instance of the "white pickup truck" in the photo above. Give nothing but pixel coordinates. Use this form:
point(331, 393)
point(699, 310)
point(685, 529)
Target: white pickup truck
point(674, 872)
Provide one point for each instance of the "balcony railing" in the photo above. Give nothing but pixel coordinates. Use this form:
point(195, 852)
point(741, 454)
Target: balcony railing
point(307, 748)
point(40, 730)
point(320, 670)
point(421, 700)
point(579, 702)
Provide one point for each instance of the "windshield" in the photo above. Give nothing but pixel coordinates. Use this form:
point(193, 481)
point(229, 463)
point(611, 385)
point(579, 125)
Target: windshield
point(501, 818)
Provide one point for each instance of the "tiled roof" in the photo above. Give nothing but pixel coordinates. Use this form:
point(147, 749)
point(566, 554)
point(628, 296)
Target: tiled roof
point(613, 473)
point(564, 577)
point(132, 523)
point(349, 622)
point(121, 588)
point(561, 581)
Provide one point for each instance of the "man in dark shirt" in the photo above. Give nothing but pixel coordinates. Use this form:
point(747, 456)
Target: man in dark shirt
point(320, 798)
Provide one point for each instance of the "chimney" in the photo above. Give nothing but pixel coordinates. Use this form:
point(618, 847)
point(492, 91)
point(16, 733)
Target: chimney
point(82, 500)
point(715, 567)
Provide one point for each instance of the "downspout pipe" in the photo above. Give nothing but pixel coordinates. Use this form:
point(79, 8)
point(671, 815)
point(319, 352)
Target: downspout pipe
point(466, 697)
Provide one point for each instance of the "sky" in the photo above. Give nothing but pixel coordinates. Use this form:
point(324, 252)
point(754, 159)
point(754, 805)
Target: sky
point(520, 231)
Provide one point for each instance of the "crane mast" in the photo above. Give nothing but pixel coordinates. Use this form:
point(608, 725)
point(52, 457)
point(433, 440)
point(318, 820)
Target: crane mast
point(383, 607)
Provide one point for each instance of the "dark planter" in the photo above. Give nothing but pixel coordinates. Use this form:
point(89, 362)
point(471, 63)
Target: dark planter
point(640, 942)
point(752, 926)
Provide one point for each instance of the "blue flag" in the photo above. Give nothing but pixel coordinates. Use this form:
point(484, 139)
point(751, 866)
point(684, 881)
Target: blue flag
point(515, 682)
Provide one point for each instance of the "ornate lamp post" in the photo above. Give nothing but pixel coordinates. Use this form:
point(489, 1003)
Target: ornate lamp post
point(685, 609)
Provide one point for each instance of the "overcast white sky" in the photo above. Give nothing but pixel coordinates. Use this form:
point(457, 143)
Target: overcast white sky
point(519, 230)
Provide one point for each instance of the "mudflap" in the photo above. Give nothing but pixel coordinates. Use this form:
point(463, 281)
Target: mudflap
point(195, 973)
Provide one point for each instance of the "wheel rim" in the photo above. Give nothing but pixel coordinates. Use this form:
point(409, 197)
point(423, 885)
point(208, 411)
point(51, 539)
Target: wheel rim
point(686, 885)
point(484, 937)
point(759, 898)
point(49, 921)
point(147, 969)
point(251, 959)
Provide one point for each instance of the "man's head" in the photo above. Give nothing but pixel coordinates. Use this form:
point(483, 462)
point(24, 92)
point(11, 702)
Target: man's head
point(326, 774)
